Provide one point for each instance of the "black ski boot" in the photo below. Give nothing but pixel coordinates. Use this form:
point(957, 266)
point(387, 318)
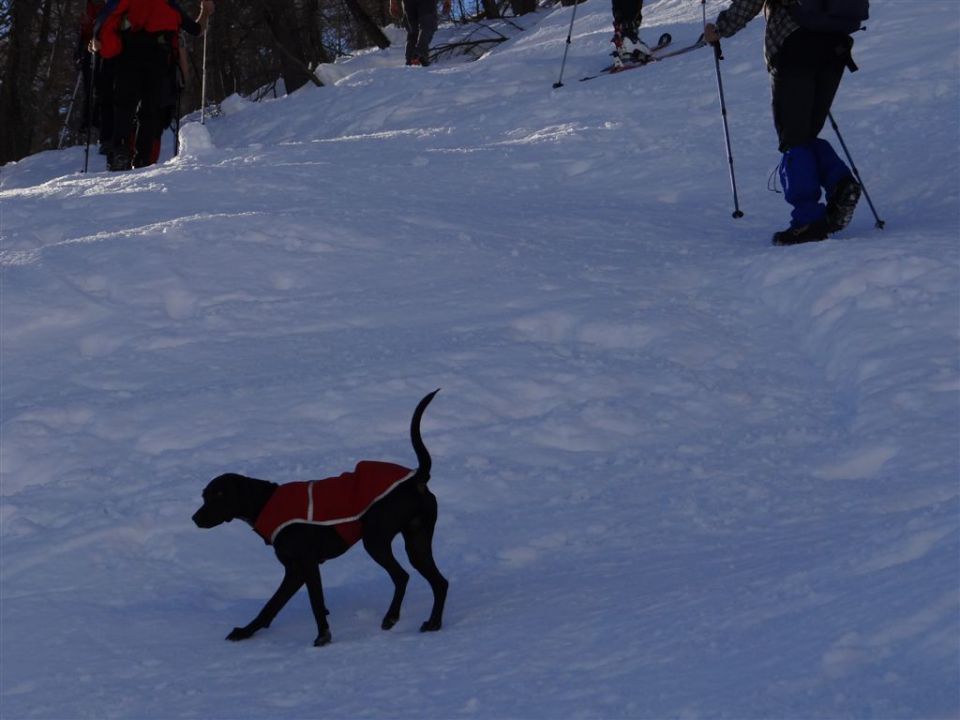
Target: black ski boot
point(814, 232)
point(842, 203)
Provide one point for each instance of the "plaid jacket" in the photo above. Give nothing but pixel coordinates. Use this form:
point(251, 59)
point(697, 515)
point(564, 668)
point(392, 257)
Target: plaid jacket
point(779, 23)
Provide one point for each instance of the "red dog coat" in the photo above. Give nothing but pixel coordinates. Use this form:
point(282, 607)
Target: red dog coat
point(338, 501)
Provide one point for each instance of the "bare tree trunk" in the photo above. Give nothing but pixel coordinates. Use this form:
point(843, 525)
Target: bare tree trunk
point(368, 25)
point(16, 97)
point(311, 22)
point(293, 66)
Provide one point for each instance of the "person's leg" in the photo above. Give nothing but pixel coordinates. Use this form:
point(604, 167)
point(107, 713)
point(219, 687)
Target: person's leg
point(794, 93)
point(840, 187)
point(158, 98)
point(800, 177)
point(831, 168)
point(626, 18)
point(830, 53)
point(428, 22)
point(148, 111)
point(129, 68)
point(412, 22)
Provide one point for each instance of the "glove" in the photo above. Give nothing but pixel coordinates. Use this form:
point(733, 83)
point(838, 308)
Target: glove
point(206, 10)
point(395, 10)
point(710, 33)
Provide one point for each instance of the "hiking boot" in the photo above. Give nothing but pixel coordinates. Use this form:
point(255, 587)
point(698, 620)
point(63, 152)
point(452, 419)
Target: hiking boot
point(414, 61)
point(814, 232)
point(842, 203)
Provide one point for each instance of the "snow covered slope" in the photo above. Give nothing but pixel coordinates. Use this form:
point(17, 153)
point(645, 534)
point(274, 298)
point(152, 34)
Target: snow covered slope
point(681, 473)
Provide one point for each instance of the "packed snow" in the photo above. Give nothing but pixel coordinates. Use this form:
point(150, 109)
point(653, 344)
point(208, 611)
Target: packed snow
point(681, 473)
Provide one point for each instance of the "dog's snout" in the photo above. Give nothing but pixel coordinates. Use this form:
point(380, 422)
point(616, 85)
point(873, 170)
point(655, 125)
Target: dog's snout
point(200, 520)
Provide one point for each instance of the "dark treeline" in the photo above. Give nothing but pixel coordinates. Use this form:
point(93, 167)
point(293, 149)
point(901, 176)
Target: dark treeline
point(251, 43)
point(250, 46)
point(254, 47)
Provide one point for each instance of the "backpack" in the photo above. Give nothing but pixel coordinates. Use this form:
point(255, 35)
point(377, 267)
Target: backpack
point(834, 16)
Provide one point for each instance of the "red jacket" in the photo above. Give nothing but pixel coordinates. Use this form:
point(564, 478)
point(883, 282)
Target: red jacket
point(152, 16)
point(339, 502)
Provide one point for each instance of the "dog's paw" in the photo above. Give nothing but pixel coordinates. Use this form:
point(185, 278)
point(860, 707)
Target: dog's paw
point(388, 622)
point(239, 634)
point(323, 638)
point(430, 626)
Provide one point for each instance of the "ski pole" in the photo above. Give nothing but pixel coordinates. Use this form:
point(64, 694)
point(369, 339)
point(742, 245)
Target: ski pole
point(203, 78)
point(573, 16)
point(180, 81)
point(717, 57)
point(879, 223)
point(66, 122)
point(86, 151)
point(176, 127)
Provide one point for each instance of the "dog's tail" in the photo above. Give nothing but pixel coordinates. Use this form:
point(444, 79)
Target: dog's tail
point(424, 462)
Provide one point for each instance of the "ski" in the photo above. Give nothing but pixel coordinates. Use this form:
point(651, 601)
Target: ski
point(657, 56)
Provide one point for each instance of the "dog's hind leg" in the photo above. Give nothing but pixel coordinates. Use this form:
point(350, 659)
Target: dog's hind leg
point(418, 536)
point(378, 547)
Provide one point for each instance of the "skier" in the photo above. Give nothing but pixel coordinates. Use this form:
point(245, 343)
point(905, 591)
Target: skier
point(806, 67)
point(420, 18)
point(627, 16)
point(145, 31)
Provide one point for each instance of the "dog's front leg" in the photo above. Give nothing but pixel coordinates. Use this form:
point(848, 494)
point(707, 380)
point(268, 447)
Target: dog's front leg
point(315, 589)
point(292, 581)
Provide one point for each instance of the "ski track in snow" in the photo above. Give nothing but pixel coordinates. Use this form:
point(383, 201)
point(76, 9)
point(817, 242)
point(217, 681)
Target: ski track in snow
point(681, 473)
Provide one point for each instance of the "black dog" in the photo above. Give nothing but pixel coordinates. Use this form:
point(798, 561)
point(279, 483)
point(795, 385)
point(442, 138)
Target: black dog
point(401, 503)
